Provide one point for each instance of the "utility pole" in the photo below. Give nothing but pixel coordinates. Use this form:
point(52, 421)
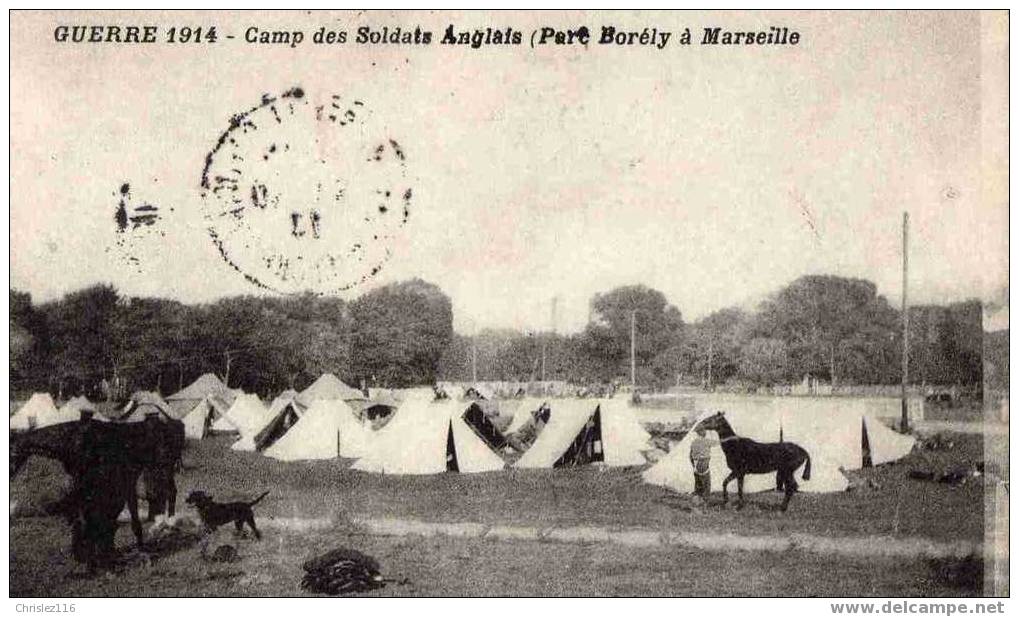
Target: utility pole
point(226, 378)
point(905, 320)
point(555, 310)
point(633, 348)
point(544, 341)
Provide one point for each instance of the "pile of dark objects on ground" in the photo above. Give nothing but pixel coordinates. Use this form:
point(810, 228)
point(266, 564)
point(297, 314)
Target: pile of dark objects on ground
point(937, 441)
point(955, 476)
point(342, 571)
point(169, 535)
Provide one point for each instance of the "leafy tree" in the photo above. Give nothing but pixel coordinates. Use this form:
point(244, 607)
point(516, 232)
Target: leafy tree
point(827, 322)
point(83, 336)
point(401, 332)
point(946, 344)
point(27, 332)
point(720, 336)
point(764, 361)
point(658, 326)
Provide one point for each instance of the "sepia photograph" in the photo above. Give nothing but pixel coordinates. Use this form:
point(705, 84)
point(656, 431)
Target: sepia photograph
point(503, 304)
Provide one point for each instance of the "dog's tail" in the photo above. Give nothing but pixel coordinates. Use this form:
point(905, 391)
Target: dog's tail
point(258, 499)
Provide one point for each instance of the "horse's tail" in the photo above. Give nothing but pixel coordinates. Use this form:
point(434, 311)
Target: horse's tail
point(806, 470)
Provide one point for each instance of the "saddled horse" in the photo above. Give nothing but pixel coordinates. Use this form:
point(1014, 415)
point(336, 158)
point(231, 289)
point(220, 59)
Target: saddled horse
point(746, 456)
point(105, 461)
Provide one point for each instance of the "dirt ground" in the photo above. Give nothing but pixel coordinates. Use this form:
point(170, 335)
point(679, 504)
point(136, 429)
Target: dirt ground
point(888, 503)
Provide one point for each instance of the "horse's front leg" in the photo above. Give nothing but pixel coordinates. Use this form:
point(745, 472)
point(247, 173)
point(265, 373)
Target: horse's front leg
point(72, 507)
point(136, 523)
point(739, 485)
point(78, 546)
point(171, 495)
point(725, 487)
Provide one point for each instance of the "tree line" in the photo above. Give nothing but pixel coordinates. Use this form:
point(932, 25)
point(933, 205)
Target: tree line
point(835, 329)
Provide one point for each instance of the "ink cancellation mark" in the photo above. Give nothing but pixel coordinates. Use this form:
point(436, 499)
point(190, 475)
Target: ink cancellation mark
point(303, 193)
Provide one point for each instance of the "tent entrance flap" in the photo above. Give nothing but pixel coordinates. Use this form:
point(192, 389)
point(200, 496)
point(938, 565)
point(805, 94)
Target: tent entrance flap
point(868, 461)
point(475, 418)
point(587, 446)
point(276, 429)
point(451, 463)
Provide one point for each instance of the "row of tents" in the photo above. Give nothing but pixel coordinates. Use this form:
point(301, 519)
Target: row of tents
point(425, 436)
point(839, 434)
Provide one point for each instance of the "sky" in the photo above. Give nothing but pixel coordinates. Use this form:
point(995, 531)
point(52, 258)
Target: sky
point(716, 175)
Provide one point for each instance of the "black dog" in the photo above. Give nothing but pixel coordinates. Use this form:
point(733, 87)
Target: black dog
point(215, 514)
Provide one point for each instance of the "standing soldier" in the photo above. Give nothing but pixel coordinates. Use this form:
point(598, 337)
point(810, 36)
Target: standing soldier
point(700, 459)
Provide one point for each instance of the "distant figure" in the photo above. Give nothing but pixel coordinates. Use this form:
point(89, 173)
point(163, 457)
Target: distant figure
point(700, 459)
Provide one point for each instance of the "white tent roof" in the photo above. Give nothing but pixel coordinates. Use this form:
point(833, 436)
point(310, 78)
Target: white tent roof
point(40, 408)
point(79, 404)
point(202, 416)
point(415, 441)
point(326, 430)
point(328, 387)
point(69, 412)
point(453, 391)
point(278, 404)
point(143, 403)
point(622, 437)
point(245, 415)
point(206, 385)
point(834, 429)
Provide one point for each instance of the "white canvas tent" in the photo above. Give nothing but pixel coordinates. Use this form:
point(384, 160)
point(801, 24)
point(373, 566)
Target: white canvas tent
point(833, 431)
point(582, 430)
point(328, 387)
point(77, 405)
point(676, 472)
point(206, 385)
point(198, 422)
point(428, 437)
point(245, 416)
point(70, 412)
point(35, 413)
point(326, 430)
point(186, 400)
point(282, 414)
point(839, 429)
point(143, 403)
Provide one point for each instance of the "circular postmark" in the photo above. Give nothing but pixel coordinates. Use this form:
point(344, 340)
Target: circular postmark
point(304, 193)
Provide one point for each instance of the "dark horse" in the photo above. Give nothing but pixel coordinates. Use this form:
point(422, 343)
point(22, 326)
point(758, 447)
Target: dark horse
point(105, 461)
point(746, 456)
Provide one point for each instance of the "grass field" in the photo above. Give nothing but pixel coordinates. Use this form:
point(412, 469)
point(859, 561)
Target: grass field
point(889, 505)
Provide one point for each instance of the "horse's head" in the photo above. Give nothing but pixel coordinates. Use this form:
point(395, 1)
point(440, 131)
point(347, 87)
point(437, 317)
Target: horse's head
point(713, 422)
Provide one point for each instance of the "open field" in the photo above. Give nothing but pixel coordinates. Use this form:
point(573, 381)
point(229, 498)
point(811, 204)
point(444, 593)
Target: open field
point(888, 504)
